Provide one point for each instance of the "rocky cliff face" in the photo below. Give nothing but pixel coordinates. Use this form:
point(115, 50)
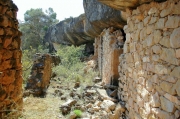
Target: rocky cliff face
point(124, 4)
point(87, 26)
point(100, 16)
point(69, 31)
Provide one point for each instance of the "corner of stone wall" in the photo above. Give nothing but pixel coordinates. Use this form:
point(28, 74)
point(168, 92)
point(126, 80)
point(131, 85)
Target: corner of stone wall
point(108, 47)
point(149, 69)
point(10, 62)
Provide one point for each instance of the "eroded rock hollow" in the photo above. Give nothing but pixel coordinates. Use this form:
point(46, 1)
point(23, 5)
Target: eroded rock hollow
point(86, 27)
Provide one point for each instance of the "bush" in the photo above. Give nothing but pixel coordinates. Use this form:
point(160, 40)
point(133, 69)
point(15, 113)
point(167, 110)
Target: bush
point(71, 67)
point(78, 113)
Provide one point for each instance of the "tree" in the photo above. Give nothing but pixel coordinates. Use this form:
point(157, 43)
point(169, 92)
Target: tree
point(35, 25)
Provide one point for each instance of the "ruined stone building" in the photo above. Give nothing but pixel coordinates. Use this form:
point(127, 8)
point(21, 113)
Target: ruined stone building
point(137, 45)
point(149, 66)
point(10, 61)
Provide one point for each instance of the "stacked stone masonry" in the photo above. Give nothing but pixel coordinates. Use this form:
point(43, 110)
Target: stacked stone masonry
point(40, 75)
point(10, 61)
point(149, 69)
point(108, 47)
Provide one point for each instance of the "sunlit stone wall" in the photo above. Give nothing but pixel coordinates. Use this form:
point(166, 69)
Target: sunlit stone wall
point(149, 71)
point(108, 47)
point(10, 62)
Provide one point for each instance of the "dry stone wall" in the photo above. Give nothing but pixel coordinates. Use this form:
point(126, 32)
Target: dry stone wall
point(108, 47)
point(10, 61)
point(40, 75)
point(149, 69)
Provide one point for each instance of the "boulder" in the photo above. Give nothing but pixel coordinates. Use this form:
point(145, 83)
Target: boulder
point(97, 79)
point(108, 105)
point(123, 5)
point(84, 28)
point(66, 107)
point(72, 116)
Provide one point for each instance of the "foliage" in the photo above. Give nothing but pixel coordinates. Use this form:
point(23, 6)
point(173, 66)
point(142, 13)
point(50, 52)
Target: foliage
point(71, 67)
point(70, 55)
point(78, 113)
point(35, 26)
point(33, 29)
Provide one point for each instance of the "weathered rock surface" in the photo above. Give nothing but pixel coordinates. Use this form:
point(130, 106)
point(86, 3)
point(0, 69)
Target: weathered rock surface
point(40, 75)
point(122, 5)
point(86, 27)
point(10, 62)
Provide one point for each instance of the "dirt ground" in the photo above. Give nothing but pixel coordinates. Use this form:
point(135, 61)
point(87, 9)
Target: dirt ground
point(43, 108)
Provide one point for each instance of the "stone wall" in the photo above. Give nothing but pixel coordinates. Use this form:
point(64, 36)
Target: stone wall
point(108, 47)
point(10, 61)
point(40, 75)
point(149, 71)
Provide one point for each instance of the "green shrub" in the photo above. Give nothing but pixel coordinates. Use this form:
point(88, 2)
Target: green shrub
point(71, 67)
point(78, 113)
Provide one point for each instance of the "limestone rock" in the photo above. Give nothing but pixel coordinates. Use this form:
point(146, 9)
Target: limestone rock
point(168, 55)
point(175, 72)
point(66, 107)
point(177, 87)
point(167, 105)
point(160, 69)
point(149, 85)
point(172, 22)
point(72, 116)
point(97, 79)
point(103, 93)
point(154, 100)
point(165, 42)
point(160, 23)
point(178, 53)
point(86, 27)
point(175, 38)
point(90, 92)
point(69, 103)
point(162, 114)
point(107, 104)
point(153, 10)
point(169, 78)
point(167, 11)
point(120, 108)
point(122, 5)
point(168, 87)
point(156, 49)
point(173, 99)
point(177, 114)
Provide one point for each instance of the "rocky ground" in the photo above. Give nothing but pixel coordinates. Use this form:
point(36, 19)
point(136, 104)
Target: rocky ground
point(72, 100)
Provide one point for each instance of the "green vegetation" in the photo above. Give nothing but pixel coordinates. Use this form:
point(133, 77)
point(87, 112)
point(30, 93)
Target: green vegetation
point(33, 29)
point(71, 67)
point(35, 26)
point(78, 113)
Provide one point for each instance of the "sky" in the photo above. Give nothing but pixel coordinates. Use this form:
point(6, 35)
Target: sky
point(63, 8)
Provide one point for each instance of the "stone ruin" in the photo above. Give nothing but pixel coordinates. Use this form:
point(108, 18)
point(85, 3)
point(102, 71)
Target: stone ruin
point(40, 74)
point(108, 47)
point(10, 61)
point(149, 65)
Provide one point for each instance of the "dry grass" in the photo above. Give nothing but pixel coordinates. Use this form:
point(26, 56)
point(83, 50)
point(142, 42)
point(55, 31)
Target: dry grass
point(42, 108)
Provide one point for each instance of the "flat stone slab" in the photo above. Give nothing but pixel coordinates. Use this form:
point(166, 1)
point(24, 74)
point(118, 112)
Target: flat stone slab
point(104, 95)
